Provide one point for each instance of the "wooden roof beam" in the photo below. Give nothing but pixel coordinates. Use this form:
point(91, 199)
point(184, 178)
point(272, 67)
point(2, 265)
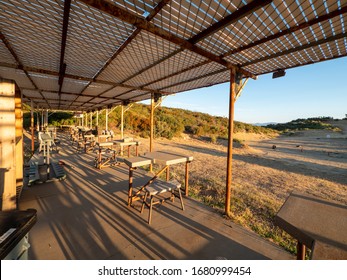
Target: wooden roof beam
point(230, 19)
point(113, 10)
point(289, 31)
point(296, 49)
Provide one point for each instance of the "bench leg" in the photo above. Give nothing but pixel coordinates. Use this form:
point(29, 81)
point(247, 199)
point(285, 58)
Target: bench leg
point(144, 202)
point(181, 199)
point(150, 210)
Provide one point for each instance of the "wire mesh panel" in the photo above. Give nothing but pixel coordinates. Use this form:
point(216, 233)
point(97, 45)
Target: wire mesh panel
point(17, 75)
point(141, 8)
point(141, 97)
point(102, 49)
point(45, 82)
point(145, 50)
point(73, 86)
point(174, 64)
point(92, 38)
point(114, 92)
point(186, 76)
point(70, 97)
point(187, 18)
point(33, 29)
point(96, 89)
point(32, 93)
point(5, 55)
point(221, 77)
point(132, 94)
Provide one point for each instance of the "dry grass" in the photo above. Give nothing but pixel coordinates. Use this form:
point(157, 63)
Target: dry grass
point(262, 177)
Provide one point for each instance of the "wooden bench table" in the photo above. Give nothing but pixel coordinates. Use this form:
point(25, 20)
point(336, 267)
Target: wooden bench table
point(318, 224)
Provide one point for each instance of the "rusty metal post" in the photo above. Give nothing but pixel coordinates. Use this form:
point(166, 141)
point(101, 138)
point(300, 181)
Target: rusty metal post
point(230, 143)
point(122, 123)
point(152, 124)
point(106, 125)
point(186, 191)
point(301, 251)
point(32, 127)
point(151, 129)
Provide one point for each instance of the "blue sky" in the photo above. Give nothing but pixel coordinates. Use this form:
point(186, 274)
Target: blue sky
point(309, 91)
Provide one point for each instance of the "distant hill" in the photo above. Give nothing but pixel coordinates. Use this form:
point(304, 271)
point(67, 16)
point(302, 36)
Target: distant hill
point(304, 124)
point(169, 122)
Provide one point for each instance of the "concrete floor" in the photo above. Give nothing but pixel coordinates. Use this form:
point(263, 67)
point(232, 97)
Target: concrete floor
point(86, 217)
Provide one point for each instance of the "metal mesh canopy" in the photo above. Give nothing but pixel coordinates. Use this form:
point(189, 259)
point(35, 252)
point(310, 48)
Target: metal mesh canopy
point(90, 54)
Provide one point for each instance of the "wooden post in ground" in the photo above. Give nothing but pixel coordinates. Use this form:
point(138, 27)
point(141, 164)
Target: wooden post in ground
point(230, 143)
point(122, 124)
point(91, 120)
point(8, 144)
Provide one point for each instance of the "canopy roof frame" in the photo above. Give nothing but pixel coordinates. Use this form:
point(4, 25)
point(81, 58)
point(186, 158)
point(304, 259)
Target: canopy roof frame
point(291, 28)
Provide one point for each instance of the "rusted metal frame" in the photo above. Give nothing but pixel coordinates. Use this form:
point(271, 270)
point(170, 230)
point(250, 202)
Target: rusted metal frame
point(73, 77)
point(141, 23)
point(56, 99)
point(75, 94)
point(62, 65)
point(230, 143)
point(152, 14)
point(230, 19)
point(10, 49)
point(296, 49)
point(288, 31)
point(244, 11)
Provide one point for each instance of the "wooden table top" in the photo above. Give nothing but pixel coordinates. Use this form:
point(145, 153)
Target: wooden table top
point(167, 157)
point(319, 224)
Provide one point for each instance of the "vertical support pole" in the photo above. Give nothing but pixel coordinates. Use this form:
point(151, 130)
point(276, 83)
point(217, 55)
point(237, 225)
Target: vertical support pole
point(152, 124)
point(186, 191)
point(32, 127)
point(122, 128)
point(46, 119)
point(7, 145)
point(230, 143)
point(37, 119)
point(97, 118)
point(106, 126)
point(91, 120)
point(42, 124)
point(122, 123)
point(151, 129)
point(82, 120)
